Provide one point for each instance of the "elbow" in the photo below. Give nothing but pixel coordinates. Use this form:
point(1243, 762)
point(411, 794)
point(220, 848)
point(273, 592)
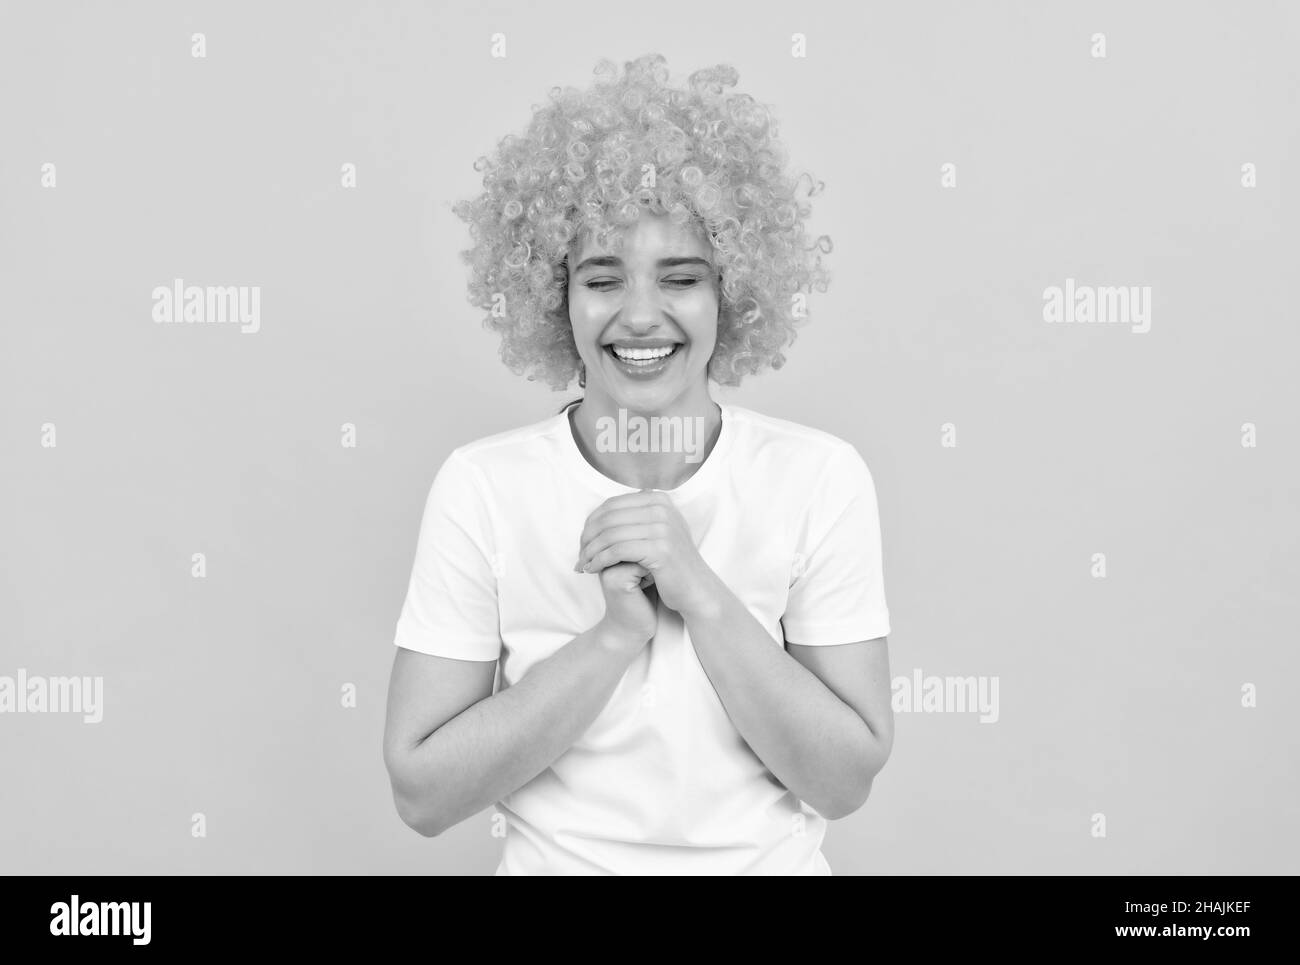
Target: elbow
point(857, 790)
point(419, 819)
point(415, 804)
point(846, 804)
point(428, 830)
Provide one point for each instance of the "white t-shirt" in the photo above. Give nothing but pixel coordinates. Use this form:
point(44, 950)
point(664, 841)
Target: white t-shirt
point(661, 782)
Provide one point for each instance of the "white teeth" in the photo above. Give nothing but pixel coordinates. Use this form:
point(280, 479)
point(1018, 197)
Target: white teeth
point(643, 354)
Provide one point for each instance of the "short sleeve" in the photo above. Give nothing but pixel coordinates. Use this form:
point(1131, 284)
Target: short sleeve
point(838, 593)
point(451, 602)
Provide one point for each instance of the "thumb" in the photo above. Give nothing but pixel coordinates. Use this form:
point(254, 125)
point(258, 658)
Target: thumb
point(628, 577)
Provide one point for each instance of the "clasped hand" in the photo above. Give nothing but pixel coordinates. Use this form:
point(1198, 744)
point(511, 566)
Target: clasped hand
point(645, 528)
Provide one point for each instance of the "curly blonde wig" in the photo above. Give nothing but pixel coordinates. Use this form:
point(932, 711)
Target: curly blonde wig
point(593, 161)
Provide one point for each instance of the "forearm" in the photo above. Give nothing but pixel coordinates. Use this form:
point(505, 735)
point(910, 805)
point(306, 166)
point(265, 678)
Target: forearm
point(812, 741)
point(497, 745)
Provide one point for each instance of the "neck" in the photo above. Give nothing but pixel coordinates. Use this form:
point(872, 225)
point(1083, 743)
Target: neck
point(644, 449)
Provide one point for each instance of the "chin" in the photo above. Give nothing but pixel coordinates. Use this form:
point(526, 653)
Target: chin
point(647, 398)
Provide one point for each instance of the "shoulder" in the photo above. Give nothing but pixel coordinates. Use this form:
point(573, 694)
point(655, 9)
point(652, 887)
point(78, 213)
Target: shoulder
point(791, 447)
point(510, 451)
point(504, 469)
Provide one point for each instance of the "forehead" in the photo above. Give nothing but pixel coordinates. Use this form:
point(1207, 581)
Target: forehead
point(651, 236)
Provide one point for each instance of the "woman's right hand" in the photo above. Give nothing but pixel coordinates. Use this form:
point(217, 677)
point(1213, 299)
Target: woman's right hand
point(631, 603)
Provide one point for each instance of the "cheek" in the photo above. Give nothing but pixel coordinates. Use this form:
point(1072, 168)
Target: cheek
point(698, 310)
point(584, 311)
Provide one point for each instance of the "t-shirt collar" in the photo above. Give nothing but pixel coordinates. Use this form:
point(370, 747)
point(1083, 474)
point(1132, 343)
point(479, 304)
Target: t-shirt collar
point(578, 466)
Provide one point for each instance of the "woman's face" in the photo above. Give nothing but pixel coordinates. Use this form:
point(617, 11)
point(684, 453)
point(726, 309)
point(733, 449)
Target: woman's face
point(645, 319)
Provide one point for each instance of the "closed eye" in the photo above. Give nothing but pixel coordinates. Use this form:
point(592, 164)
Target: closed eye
point(605, 284)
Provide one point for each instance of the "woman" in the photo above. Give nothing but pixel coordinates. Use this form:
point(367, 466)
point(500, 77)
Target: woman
point(685, 597)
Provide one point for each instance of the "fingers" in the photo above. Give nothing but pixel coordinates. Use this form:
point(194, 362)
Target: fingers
point(623, 528)
point(657, 519)
point(616, 534)
point(630, 577)
point(620, 516)
point(606, 517)
point(628, 551)
point(642, 497)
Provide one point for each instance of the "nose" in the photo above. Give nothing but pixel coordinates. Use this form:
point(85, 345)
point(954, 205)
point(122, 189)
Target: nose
point(641, 311)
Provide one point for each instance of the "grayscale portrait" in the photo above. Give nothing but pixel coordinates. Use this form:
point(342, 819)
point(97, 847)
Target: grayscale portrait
point(728, 439)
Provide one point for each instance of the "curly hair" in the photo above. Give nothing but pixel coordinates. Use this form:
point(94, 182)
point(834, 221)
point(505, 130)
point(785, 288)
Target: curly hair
point(594, 160)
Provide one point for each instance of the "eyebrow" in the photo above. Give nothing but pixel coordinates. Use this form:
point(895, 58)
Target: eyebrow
point(612, 261)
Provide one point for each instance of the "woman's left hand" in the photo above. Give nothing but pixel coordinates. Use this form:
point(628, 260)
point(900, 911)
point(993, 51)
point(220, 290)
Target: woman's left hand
point(646, 528)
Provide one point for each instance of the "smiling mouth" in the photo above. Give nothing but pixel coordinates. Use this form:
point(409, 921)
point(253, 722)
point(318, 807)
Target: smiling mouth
point(642, 357)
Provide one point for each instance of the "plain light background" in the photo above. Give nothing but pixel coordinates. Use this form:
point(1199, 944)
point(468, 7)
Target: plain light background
point(1119, 696)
